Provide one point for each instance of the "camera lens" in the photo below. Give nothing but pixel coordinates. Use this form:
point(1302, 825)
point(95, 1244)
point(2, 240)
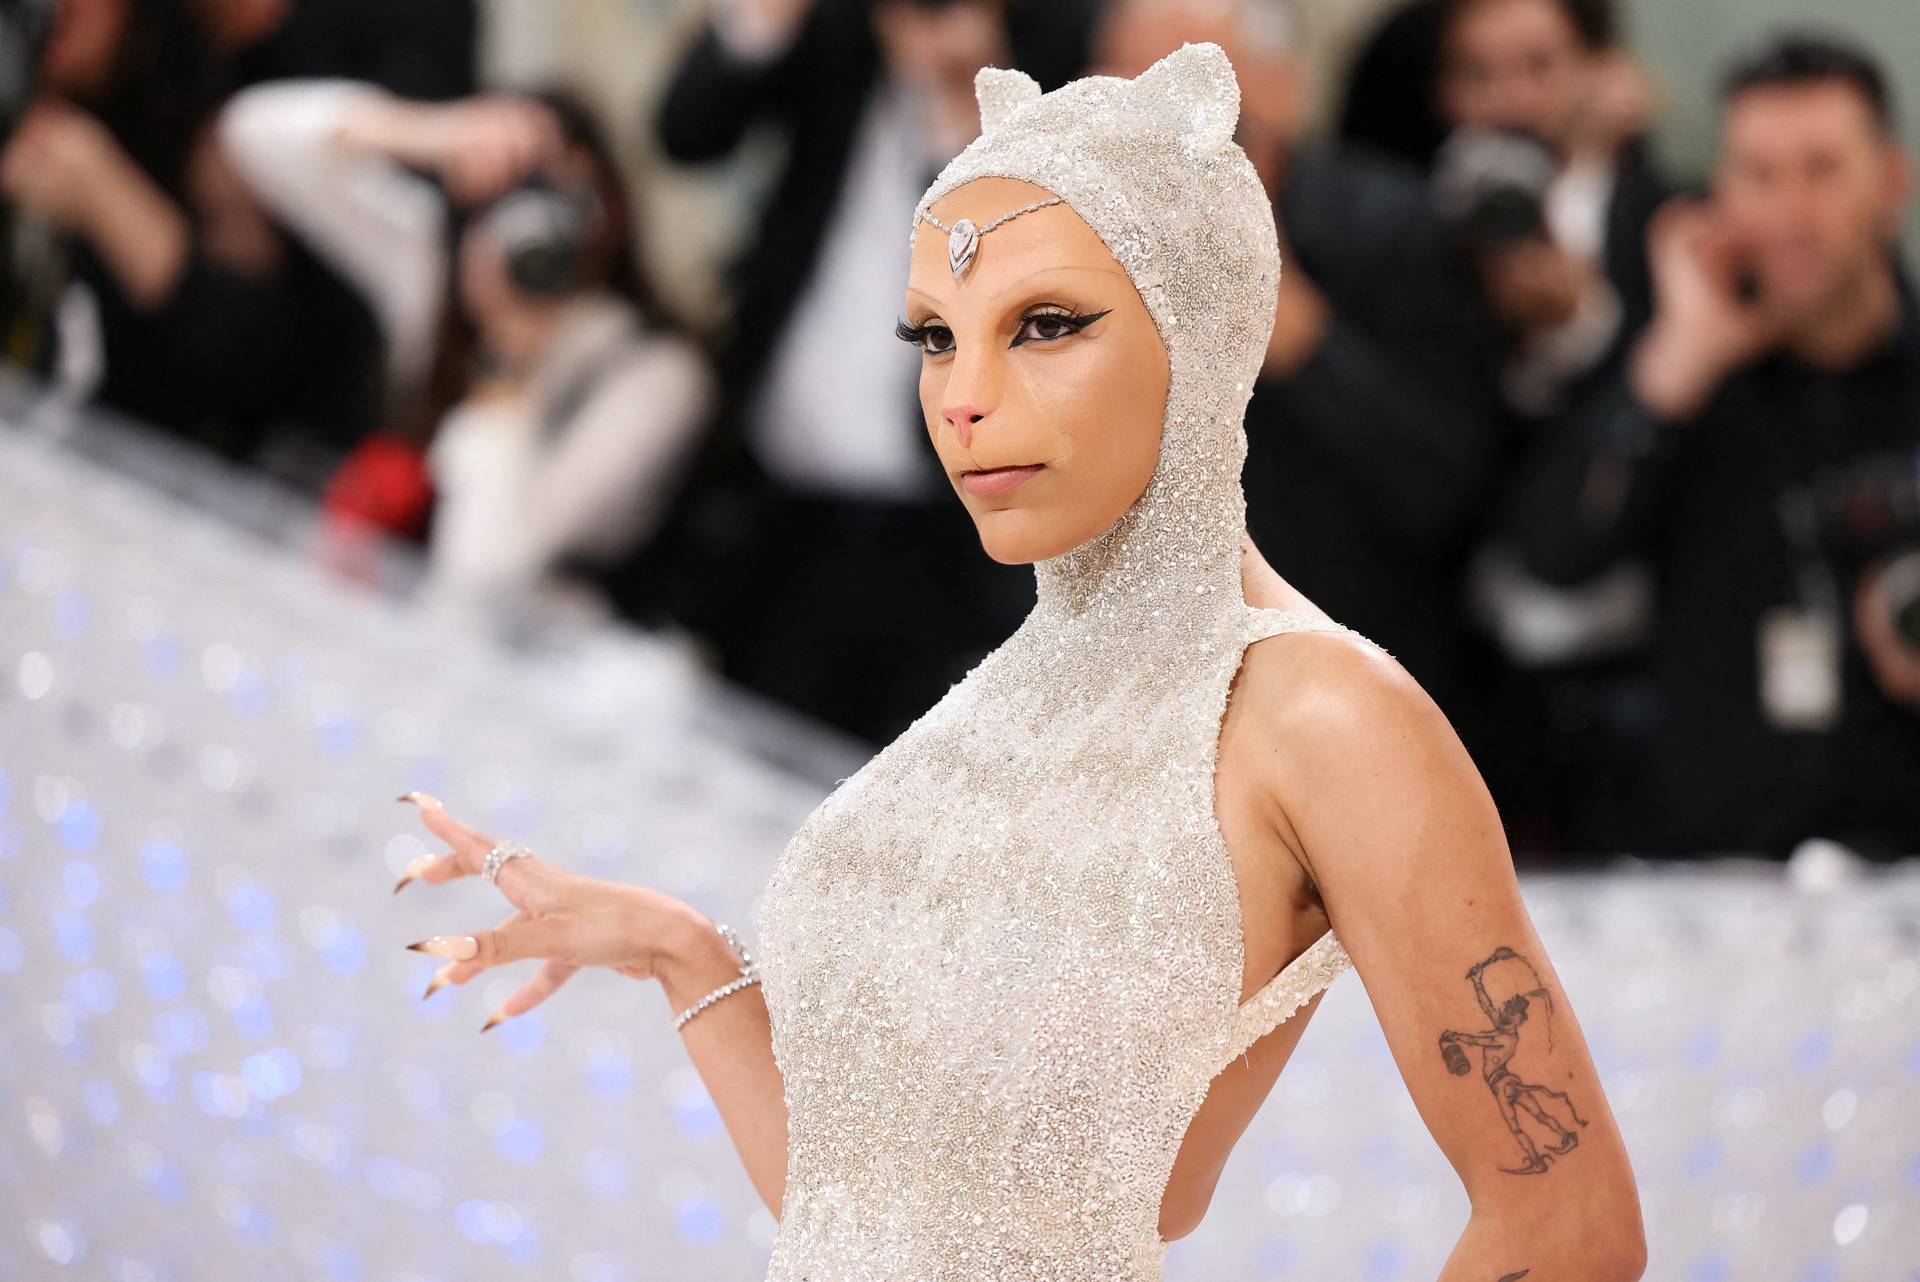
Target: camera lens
point(542, 233)
point(1901, 579)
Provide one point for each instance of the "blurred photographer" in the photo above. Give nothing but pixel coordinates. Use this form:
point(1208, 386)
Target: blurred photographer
point(141, 273)
point(1368, 434)
point(1545, 181)
point(820, 492)
point(549, 402)
point(1761, 443)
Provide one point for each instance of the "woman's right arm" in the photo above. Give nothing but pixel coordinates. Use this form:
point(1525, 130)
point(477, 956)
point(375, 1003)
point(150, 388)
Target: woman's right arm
point(569, 920)
point(731, 1045)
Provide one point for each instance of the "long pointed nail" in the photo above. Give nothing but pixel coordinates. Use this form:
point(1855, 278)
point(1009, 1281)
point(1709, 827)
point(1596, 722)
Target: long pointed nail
point(421, 799)
point(413, 870)
point(495, 1018)
point(457, 947)
point(438, 982)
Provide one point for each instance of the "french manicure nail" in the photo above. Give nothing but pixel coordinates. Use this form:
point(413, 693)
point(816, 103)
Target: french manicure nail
point(421, 799)
point(495, 1018)
point(413, 870)
point(438, 982)
point(457, 947)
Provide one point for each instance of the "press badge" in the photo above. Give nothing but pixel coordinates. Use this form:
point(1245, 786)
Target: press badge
point(1799, 669)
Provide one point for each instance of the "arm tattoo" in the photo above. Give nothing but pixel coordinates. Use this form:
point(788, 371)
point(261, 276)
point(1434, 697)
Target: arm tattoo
point(1497, 1044)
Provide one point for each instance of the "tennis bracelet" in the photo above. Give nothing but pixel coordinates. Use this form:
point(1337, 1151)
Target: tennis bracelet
point(749, 974)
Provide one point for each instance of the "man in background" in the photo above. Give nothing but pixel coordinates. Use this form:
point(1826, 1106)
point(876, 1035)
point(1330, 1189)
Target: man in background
point(1368, 431)
point(1544, 180)
point(1551, 73)
point(820, 546)
point(1758, 443)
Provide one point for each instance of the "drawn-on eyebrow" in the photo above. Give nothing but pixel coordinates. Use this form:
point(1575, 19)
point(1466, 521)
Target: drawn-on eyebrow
point(1016, 286)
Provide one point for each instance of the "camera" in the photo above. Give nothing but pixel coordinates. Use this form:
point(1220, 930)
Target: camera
point(544, 232)
point(1901, 579)
point(1490, 187)
point(1868, 509)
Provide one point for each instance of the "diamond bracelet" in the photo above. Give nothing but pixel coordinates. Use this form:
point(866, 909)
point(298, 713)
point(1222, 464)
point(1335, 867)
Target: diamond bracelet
point(748, 975)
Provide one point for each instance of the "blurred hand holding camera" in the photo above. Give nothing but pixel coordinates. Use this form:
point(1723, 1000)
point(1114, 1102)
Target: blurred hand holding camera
point(1534, 284)
point(1707, 322)
point(1491, 188)
point(479, 148)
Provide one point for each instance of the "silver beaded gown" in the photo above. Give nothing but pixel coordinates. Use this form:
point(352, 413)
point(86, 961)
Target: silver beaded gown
point(1003, 960)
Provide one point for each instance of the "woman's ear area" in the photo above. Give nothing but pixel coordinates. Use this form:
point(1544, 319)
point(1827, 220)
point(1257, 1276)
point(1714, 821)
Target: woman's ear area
point(1199, 81)
point(1001, 91)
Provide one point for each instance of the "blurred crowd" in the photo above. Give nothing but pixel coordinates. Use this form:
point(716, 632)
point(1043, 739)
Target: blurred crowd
point(1624, 468)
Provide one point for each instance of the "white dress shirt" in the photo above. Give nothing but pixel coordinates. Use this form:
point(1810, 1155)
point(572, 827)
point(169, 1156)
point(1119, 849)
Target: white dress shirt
point(834, 410)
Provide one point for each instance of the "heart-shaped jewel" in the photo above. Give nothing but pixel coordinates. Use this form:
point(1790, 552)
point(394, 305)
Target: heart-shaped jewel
point(961, 242)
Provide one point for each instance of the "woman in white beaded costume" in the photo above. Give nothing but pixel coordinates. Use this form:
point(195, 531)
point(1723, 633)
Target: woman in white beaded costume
point(1023, 980)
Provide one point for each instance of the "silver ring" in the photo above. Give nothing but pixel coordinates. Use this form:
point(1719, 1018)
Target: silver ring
point(499, 855)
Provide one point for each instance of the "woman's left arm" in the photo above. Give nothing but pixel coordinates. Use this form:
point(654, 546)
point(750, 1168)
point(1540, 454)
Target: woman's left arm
point(1407, 848)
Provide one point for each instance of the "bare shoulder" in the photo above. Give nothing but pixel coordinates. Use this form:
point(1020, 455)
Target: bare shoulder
point(1340, 723)
point(1327, 691)
point(1350, 742)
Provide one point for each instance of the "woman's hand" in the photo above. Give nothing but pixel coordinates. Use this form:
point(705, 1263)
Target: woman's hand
point(568, 919)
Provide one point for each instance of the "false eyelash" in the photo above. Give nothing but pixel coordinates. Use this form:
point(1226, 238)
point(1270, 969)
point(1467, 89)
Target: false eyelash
point(1074, 320)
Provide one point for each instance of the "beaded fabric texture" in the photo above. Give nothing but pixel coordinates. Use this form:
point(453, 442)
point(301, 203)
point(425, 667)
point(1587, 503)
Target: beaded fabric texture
point(1003, 959)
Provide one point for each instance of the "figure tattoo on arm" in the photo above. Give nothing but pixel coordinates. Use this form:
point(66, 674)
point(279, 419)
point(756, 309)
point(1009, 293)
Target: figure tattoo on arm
point(1512, 1095)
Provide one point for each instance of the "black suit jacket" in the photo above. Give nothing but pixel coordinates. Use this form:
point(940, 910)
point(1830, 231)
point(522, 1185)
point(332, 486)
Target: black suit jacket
point(1638, 192)
point(1368, 467)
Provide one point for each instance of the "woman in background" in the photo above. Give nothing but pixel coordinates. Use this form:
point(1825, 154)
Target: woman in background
point(557, 397)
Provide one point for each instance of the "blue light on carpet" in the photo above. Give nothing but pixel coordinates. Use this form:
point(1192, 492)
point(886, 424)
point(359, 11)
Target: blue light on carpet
point(1385, 1261)
point(160, 655)
point(73, 936)
point(81, 881)
point(521, 1140)
point(163, 865)
point(1713, 1267)
point(1815, 1164)
point(78, 826)
point(1811, 1051)
point(698, 1219)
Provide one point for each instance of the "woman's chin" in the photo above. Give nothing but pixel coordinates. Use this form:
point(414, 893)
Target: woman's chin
point(1014, 536)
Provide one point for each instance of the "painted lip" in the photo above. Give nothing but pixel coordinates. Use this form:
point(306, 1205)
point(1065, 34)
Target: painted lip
point(997, 480)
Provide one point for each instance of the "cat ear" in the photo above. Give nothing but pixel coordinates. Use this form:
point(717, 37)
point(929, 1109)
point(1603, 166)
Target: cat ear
point(1198, 85)
point(1001, 91)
